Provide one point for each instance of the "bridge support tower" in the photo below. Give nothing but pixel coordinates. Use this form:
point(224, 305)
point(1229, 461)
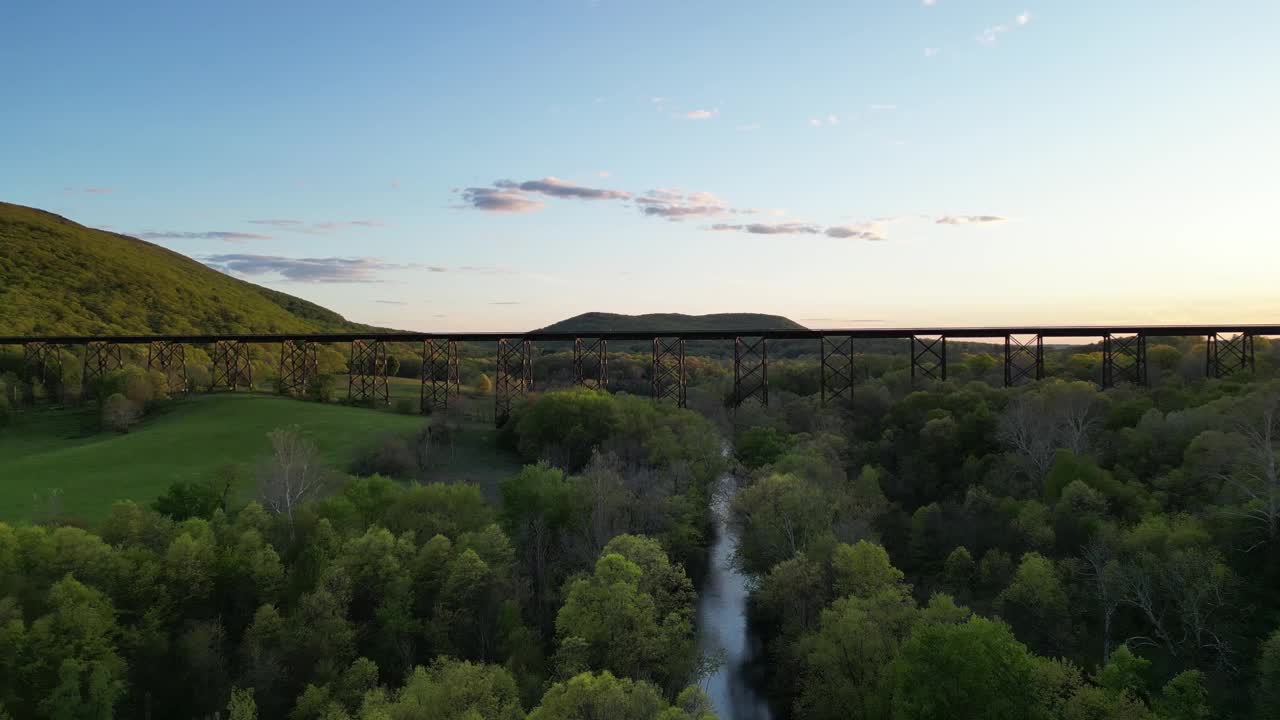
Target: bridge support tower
point(1124, 359)
point(232, 368)
point(1228, 354)
point(750, 370)
point(670, 380)
point(439, 374)
point(170, 358)
point(591, 362)
point(928, 358)
point(100, 358)
point(367, 372)
point(837, 367)
point(514, 378)
point(1023, 359)
point(298, 366)
point(42, 362)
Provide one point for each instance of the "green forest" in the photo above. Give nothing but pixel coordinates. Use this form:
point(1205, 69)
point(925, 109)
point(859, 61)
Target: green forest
point(958, 550)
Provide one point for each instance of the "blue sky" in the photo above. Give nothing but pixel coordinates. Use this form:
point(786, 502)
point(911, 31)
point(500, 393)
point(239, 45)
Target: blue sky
point(496, 166)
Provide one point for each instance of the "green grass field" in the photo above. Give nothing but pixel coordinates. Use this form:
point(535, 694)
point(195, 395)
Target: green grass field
point(48, 450)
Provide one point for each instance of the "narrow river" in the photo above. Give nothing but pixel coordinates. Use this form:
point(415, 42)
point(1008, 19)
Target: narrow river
point(722, 620)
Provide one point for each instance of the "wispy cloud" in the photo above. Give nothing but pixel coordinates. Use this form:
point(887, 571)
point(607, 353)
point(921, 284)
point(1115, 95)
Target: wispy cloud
point(931, 52)
point(883, 107)
point(872, 231)
point(557, 188)
point(509, 196)
point(969, 219)
point(855, 232)
point(89, 190)
point(319, 228)
point(505, 302)
point(793, 228)
point(700, 114)
point(223, 235)
point(391, 302)
point(674, 204)
point(603, 174)
point(500, 201)
point(306, 270)
point(929, 3)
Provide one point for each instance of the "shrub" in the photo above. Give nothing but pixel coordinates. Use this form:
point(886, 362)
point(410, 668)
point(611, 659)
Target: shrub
point(119, 413)
point(391, 455)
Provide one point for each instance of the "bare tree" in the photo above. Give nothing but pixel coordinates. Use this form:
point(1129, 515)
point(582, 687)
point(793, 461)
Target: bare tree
point(1028, 432)
point(1073, 407)
point(1056, 415)
point(1255, 475)
point(1103, 570)
point(607, 498)
point(291, 474)
point(1184, 598)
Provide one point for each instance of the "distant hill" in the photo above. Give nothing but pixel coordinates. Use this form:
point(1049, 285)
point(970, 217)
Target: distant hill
point(672, 322)
point(60, 277)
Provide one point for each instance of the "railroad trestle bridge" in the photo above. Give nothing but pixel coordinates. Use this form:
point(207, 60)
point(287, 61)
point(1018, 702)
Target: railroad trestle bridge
point(1228, 349)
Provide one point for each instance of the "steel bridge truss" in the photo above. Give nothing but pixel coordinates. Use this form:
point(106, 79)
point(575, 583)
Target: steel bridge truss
point(1228, 354)
point(1124, 360)
point(39, 358)
point(670, 380)
point(514, 376)
point(439, 374)
point(750, 370)
point(299, 366)
point(169, 358)
point(100, 358)
point(928, 358)
point(232, 368)
point(1023, 359)
point(591, 362)
point(837, 367)
point(367, 373)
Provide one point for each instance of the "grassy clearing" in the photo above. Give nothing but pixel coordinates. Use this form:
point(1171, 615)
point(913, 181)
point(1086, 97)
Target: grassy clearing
point(49, 450)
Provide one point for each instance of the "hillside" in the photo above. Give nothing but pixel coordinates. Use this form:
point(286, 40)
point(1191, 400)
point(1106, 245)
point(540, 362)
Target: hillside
point(60, 277)
point(672, 322)
point(46, 454)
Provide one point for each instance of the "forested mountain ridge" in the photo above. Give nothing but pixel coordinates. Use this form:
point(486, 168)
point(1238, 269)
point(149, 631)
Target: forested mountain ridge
point(672, 322)
point(60, 277)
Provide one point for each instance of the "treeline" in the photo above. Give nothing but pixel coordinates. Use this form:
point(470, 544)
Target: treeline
point(1052, 551)
point(366, 598)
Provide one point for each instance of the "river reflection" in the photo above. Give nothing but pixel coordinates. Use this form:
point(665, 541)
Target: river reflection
point(722, 620)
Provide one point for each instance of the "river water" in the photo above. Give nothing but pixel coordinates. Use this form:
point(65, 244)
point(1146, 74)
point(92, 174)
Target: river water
point(722, 620)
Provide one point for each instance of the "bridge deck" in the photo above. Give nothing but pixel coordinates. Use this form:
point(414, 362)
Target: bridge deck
point(1061, 331)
